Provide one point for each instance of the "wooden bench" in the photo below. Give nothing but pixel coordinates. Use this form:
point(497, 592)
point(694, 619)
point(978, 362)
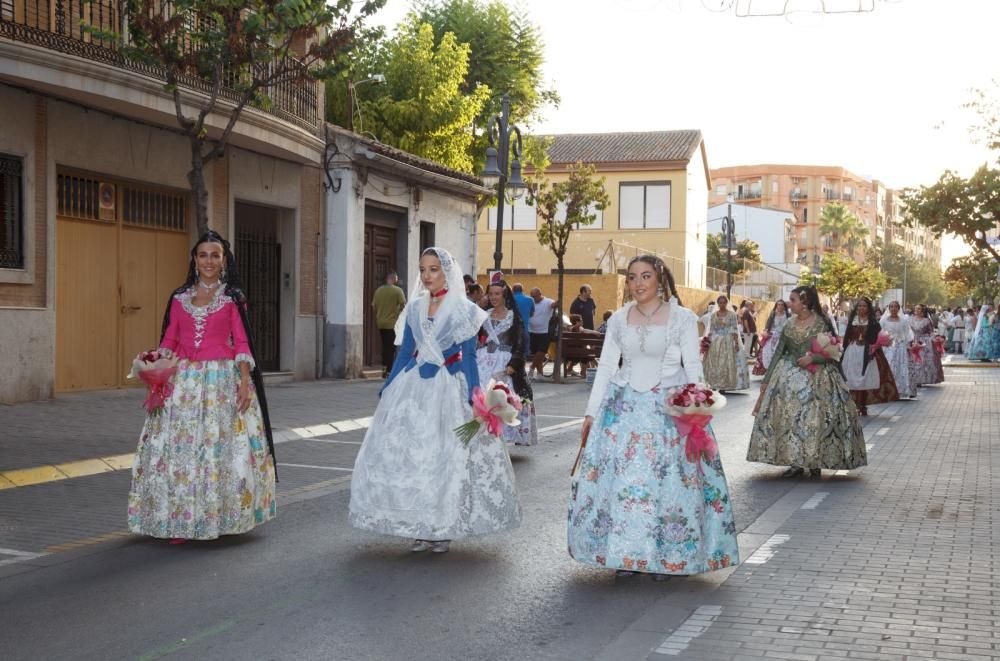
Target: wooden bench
point(582, 348)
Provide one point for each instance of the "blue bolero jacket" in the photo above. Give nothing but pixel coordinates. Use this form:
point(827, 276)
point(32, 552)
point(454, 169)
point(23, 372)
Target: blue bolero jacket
point(462, 359)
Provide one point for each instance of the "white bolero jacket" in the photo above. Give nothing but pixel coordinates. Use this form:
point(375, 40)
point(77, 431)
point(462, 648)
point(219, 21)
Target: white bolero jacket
point(668, 356)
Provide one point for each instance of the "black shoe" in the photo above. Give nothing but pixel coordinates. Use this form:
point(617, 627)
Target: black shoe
point(794, 471)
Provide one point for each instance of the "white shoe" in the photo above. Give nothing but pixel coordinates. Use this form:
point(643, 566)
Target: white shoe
point(420, 545)
point(441, 547)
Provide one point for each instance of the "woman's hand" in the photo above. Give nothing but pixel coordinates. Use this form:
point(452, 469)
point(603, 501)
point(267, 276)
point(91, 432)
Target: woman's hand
point(243, 396)
point(805, 361)
point(509, 371)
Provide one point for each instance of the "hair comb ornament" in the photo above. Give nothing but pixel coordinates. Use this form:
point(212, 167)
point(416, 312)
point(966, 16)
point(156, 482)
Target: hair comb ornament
point(496, 278)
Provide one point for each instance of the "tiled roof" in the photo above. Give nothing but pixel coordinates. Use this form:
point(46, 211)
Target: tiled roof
point(624, 147)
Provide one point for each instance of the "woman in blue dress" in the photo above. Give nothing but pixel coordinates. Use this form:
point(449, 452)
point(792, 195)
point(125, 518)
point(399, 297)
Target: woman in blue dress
point(638, 504)
point(413, 477)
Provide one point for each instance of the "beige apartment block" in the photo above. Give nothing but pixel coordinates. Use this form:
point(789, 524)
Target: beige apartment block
point(807, 189)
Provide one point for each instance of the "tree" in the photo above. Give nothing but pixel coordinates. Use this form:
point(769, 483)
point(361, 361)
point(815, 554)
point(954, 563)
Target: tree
point(506, 55)
point(968, 208)
point(422, 108)
point(891, 259)
point(746, 250)
point(238, 50)
point(924, 284)
point(975, 276)
point(562, 208)
point(844, 279)
point(843, 227)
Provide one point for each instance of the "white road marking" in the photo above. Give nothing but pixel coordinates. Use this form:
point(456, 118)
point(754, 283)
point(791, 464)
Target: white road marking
point(882, 432)
point(332, 440)
point(282, 464)
point(19, 556)
point(841, 473)
point(691, 628)
point(895, 418)
point(766, 550)
point(816, 499)
point(869, 446)
point(548, 431)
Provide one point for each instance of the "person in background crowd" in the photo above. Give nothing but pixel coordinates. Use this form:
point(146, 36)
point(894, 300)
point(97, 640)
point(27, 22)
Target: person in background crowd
point(926, 370)
point(603, 328)
point(865, 366)
point(898, 353)
point(525, 306)
point(474, 293)
point(387, 303)
point(705, 320)
point(576, 326)
point(538, 331)
point(726, 361)
point(585, 306)
point(748, 326)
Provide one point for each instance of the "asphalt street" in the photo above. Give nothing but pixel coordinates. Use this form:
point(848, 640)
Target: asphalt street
point(308, 586)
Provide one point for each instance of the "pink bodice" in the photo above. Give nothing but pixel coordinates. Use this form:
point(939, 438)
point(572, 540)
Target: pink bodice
point(211, 332)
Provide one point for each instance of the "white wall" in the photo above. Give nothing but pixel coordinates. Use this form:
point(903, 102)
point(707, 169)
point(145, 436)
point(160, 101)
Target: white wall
point(766, 227)
point(696, 248)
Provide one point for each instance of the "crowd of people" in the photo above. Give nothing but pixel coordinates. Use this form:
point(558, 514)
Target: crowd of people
point(640, 501)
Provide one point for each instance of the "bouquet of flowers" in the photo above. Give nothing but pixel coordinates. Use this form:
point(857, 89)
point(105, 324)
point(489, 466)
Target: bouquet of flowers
point(492, 409)
point(938, 343)
point(828, 346)
point(916, 352)
point(691, 407)
point(706, 343)
point(883, 340)
point(155, 368)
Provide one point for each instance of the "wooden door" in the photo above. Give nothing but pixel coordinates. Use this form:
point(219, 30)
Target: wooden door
point(380, 258)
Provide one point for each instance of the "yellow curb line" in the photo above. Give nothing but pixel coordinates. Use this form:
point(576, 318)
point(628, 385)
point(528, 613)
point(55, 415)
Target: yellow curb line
point(89, 541)
point(25, 477)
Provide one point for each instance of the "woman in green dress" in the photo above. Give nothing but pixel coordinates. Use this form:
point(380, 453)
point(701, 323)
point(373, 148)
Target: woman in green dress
point(805, 417)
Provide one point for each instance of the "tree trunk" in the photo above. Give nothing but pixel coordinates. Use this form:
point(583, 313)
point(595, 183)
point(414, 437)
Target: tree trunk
point(199, 192)
point(557, 374)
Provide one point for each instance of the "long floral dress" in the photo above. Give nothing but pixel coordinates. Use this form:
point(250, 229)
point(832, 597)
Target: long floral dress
point(806, 419)
point(637, 503)
point(726, 362)
point(503, 344)
point(871, 384)
point(898, 353)
point(928, 369)
point(202, 468)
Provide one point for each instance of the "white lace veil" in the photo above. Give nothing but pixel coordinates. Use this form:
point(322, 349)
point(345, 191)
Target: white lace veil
point(456, 320)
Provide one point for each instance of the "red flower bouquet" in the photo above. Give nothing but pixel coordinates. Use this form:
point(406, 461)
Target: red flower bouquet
point(155, 368)
point(706, 343)
point(938, 343)
point(691, 407)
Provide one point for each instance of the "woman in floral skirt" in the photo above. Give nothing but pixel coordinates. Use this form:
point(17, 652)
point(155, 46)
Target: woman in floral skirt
point(726, 360)
point(205, 463)
point(865, 366)
point(637, 503)
point(772, 333)
point(927, 369)
point(897, 354)
point(805, 417)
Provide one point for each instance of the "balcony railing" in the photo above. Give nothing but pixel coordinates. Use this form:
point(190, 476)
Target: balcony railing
point(748, 195)
point(59, 26)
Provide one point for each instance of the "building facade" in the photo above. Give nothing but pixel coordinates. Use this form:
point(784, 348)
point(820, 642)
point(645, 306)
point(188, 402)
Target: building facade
point(807, 189)
point(658, 185)
point(773, 230)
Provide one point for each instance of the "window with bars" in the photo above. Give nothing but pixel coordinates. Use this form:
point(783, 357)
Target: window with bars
point(155, 209)
point(11, 212)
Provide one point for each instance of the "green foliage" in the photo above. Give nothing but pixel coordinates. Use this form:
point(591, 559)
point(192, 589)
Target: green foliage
point(921, 279)
point(843, 227)
point(958, 206)
point(422, 108)
point(891, 259)
point(844, 279)
point(972, 276)
point(745, 250)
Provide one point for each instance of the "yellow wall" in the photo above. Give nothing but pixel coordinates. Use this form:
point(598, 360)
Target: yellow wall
point(521, 249)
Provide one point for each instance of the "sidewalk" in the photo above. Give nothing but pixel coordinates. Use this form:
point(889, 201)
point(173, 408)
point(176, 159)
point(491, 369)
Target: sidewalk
point(893, 561)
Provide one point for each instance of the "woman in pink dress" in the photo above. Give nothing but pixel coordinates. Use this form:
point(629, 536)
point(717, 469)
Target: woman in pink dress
point(205, 463)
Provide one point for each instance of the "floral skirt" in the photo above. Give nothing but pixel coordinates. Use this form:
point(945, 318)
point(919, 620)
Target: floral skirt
point(202, 468)
point(898, 358)
point(725, 365)
point(493, 366)
point(929, 370)
point(766, 353)
point(638, 504)
point(807, 420)
point(874, 385)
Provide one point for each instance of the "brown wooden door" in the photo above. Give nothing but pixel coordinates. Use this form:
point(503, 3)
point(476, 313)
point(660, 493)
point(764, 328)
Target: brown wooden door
point(380, 258)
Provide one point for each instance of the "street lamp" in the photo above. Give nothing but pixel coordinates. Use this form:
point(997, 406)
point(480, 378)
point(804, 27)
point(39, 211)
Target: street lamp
point(352, 100)
point(729, 234)
point(498, 162)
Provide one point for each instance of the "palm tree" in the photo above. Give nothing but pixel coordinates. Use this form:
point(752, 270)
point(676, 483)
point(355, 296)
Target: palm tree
point(843, 227)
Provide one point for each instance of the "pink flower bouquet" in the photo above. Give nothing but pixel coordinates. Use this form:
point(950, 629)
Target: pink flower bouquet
point(706, 343)
point(691, 408)
point(827, 346)
point(916, 353)
point(155, 368)
point(938, 343)
point(883, 340)
point(492, 409)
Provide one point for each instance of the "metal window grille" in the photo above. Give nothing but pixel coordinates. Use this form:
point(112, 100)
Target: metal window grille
point(155, 209)
point(11, 213)
point(78, 197)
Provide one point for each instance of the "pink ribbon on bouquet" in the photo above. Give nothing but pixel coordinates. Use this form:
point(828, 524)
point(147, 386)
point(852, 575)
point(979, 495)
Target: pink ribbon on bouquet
point(698, 441)
point(160, 387)
point(915, 353)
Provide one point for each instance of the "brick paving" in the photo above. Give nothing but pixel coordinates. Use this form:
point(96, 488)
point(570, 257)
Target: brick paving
point(897, 561)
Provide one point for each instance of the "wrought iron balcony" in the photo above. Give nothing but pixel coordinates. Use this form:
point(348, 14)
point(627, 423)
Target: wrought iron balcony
point(59, 25)
point(748, 195)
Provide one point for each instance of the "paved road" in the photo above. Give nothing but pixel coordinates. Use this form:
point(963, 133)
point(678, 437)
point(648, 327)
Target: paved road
point(308, 586)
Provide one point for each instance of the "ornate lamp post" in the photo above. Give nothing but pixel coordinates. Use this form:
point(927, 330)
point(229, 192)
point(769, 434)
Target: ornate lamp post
point(729, 234)
point(499, 163)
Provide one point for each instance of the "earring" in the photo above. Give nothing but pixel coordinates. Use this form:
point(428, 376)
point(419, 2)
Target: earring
point(196, 273)
point(223, 274)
